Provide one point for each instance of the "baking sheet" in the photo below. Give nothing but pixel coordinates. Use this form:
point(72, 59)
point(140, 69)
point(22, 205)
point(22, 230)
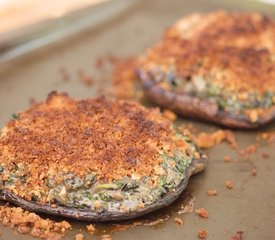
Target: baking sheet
point(249, 206)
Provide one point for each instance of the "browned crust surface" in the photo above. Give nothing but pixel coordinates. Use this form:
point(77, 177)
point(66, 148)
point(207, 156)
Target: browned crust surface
point(68, 134)
point(234, 51)
point(237, 49)
point(196, 166)
point(105, 138)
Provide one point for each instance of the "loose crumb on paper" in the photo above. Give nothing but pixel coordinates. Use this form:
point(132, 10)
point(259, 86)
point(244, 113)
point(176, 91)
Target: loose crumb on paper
point(212, 192)
point(90, 228)
point(254, 172)
point(209, 140)
point(202, 212)
point(202, 234)
point(187, 207)
point(237, 236)
point(229, 184)
point(26, 222)
point(79, 236)
point(178, 221)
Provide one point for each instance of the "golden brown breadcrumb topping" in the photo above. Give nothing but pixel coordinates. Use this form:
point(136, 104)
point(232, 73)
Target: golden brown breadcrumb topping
point(110, 139)
point(235, 50)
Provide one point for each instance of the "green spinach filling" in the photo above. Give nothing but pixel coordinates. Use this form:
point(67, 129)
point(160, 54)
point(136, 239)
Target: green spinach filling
point(203, 88)
point(126, 194)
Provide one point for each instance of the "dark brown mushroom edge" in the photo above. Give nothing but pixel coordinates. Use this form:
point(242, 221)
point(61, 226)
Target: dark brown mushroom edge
point(217, 67)
point(95, 159)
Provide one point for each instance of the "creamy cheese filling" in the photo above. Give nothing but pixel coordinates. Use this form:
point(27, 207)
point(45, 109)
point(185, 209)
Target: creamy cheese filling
point(124, 195)
point(227, 100)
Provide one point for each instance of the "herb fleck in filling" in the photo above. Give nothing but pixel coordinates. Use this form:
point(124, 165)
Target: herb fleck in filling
point(126, 194)
point(227, 100)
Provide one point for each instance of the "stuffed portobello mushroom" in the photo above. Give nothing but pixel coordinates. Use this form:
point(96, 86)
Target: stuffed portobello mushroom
point(95, 159)
point(217, 67)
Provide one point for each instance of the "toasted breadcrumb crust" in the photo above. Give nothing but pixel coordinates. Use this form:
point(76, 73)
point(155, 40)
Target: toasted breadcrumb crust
point(27, 222)
point(169, 115)
point(233, 52)
point(110, 139)
point(237, 49)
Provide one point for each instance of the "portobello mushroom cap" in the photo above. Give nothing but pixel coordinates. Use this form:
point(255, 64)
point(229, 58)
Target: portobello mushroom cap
point(95, 159)
point(217, 67)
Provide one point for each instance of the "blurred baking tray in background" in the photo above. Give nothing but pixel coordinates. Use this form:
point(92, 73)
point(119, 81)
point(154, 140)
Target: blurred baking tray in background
point(249, 206)
point(30, 25)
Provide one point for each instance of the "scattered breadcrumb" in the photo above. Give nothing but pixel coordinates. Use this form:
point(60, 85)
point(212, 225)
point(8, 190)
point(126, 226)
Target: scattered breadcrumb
point(269, 137)
point(194, 130)
point(254, 172)
point(90, 228)
point(79, 236)
point(187, 207)
point(250, 149)
point(237, 236)
point(202, 212)
point(85, 78)
point(169, 115)
point(178, 221)
point(228, 159)
point(202, 234)
point(211, 192)
point(27, 222)
point(229, 184)
point(265, 154)
point(208, 140)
